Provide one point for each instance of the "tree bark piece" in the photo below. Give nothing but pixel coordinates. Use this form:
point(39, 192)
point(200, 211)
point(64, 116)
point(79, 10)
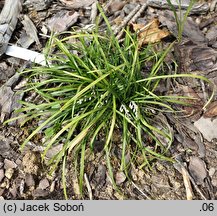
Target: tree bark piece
point(8, 22)
point(198, 8)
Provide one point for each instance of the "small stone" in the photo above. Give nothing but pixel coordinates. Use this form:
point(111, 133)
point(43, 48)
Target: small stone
point(29, 180)
point(100, 177)
point(2, 174)
point(32, 188)
point(30, 163)
point(18, 161)
point(198, 21)
point(40, 193)
point(13, 191)
point(134, 173)
point(9, 164)
point(76, 187)
point(43, 184)
point(1, 164)
point(214, 182)
point(159, 167)
point(9, 173)
point(119, 196)
point(54, 150)
point(52, 187)
point(2, 190)
point(120, 178)
point(4, 146)
point(211, 171)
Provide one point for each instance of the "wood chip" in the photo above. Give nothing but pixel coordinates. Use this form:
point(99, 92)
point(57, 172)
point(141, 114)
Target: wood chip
point(30, 29)
point(197, 169)
point(196, 57)
point(207, 127)
point(37, 5)
point(8, 21)
point(198, 8)
point(62, 20)
point(116, 6)
point(211, 110)
point(78, 3)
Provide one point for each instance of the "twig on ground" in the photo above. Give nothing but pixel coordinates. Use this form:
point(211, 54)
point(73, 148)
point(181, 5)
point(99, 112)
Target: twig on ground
point(139, 12)
point(145, 195)
point(52, 187)
point(126, 20)
point(93, 14)
point(180, 167)
point(133, 19)
point(204, 90)
point(88, 187)
point(213, 5)
point(187, 183)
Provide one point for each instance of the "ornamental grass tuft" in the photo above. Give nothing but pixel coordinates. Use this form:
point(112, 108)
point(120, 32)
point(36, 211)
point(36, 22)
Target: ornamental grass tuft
point(94, 87)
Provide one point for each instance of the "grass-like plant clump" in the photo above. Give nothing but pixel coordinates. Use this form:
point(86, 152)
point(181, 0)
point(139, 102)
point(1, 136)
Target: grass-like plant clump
point(181, 17)
point(93, 87)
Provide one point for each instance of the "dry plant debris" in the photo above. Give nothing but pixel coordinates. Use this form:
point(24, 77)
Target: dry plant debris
point(150, 33)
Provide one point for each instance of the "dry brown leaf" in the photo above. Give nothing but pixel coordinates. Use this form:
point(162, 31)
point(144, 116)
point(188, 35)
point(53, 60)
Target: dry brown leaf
point(150, 33)
point(211, 111)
